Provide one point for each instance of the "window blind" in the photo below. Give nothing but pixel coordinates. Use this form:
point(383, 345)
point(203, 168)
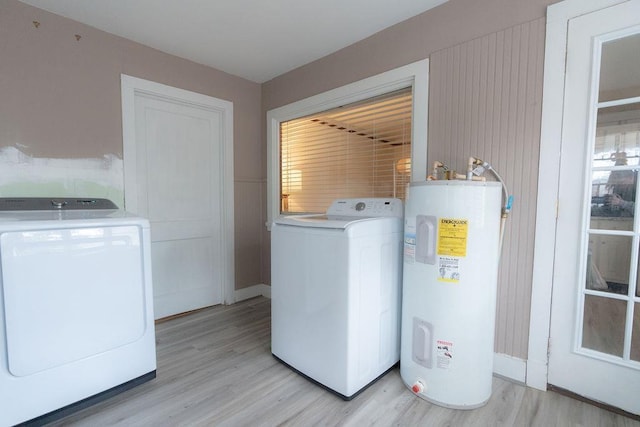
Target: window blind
point(357, 150)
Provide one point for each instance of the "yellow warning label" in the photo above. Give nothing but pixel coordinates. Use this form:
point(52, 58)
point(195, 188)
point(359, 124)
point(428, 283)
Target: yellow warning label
point(452, 237)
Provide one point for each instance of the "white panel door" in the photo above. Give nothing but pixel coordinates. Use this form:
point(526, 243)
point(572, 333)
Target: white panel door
point(179, 159)
point(594, 345)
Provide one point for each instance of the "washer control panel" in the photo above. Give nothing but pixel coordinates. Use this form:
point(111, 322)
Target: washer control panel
point(59, 203)
point(372, 207)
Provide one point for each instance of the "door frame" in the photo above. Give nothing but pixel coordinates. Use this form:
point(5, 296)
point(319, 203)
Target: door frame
point(558, 17)
point(130, 87)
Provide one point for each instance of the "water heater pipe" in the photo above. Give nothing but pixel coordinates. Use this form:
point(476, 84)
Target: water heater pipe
point(450, 174)
point(508, 199)
point(437, 165)
point(475, 167)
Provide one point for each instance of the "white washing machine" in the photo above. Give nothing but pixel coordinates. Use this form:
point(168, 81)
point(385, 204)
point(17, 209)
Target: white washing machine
point(336, 293)
point(76, 306)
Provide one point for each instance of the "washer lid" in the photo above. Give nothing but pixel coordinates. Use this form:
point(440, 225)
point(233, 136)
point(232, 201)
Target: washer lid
point(320, 221)
point(344, 212)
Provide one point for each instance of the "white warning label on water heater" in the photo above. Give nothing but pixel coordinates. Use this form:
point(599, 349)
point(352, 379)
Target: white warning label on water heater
point(444, 354)
point(449, 269)
point(409, 248)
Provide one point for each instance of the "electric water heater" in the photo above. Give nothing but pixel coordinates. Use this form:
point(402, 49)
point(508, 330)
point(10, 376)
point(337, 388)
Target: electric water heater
point(451, 254)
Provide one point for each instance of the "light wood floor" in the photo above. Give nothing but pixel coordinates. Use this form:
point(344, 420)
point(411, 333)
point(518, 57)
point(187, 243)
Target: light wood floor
point(215, 369)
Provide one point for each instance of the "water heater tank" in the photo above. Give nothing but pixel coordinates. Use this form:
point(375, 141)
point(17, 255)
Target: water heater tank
point(451, 244)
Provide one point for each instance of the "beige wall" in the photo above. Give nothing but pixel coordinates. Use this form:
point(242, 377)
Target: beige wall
point(60, 99)
point(452, 23)
point(485, 99)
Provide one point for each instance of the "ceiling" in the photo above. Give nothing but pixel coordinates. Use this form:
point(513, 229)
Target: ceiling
point(254, 39)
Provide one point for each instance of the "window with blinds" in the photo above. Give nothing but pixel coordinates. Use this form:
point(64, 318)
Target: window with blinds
point(357, 150)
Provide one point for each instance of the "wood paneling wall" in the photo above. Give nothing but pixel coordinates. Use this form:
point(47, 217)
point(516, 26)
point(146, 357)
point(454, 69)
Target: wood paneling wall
point(486, 101)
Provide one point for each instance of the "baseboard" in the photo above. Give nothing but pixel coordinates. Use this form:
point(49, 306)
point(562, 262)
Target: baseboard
point(252, 292)
point(510, 367)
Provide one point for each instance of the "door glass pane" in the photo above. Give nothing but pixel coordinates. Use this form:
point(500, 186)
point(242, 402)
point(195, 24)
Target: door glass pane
point(613, 195)
point(635, 341)
point(637, 291)
point(616, 156)
point(608, 263)
point(617, 136)
point(604, 324)
point(619, 77)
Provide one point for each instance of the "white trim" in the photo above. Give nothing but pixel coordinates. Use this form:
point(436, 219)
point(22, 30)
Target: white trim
point(130, 86)
point(253, 291)
point(617, 102)
point(415, 74)
point(558, 16)
point(510, 367)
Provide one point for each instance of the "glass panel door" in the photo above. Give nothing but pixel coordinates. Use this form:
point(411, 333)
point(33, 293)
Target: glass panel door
point(611, 275)
point(594, 345)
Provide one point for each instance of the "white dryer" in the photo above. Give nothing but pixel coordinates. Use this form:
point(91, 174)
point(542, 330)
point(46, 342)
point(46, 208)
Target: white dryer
point(336, 292)
point(76, 306)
